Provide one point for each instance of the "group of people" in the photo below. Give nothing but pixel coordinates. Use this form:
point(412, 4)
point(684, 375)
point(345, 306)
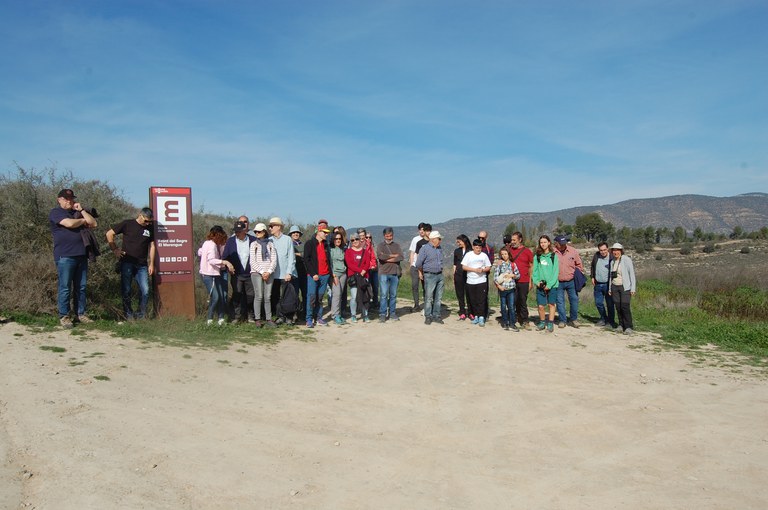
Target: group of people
point(276, 278)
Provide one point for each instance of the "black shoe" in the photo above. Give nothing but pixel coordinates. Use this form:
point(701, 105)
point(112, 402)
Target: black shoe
point(428, 321)
point(439, 321)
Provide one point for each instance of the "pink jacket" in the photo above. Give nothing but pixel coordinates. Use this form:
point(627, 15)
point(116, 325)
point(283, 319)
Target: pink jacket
point(210, 258)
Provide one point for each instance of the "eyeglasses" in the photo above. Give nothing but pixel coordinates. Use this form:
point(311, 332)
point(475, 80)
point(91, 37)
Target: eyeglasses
point(368, 237)
point(481, 238)
point(337, 238)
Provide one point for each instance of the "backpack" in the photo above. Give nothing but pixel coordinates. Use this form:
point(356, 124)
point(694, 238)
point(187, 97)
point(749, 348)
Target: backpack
point(289, 302)
point(538, 257)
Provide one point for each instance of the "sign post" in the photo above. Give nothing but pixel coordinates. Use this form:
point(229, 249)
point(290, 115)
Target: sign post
point(174, 275)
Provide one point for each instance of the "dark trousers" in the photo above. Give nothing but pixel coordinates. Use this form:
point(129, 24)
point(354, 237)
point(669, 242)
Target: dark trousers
point(415, 284)
point(373, 276)
point(242, 296)
point(621, 299)
point(521, 302)
point(460, 286)
point(478, 299)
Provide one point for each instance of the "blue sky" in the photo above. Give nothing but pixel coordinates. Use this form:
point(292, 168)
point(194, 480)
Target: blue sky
point(390, 112)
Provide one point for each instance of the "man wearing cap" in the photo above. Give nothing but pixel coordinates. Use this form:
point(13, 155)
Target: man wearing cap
point(136, 258)
point(414, 252)
point(285, 271)
point(237, 251)
point(67, 221)
point(317, 261)
point(568, 260)
point(389, 255)
point(300, 282)
point(429, 263)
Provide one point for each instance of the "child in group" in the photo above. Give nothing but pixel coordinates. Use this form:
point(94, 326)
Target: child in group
point(505, 276)
point(545, 277)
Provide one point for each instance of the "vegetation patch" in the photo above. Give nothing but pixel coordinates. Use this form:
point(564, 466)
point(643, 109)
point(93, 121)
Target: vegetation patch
point(101, 378)
point(52, 348)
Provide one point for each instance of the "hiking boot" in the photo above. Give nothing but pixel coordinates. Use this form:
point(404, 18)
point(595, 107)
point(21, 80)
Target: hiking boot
point(84, 319)
point(428, 321)
point(550, 327)
point(574, 324)
point(415, 308)
point(561, 325)
point(629, 331)
point(514, 328)
point(438, 320)
point(600, 323)
point(65, 322)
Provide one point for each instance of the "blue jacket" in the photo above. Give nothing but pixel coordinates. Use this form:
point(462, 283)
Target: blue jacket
point(230, 254)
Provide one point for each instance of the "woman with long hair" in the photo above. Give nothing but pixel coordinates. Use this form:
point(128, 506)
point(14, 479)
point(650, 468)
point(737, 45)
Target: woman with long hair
point(546, 270)
point(477, 266)
point(358, 261)
point(459, 275)
point(338, 274)
point(263, 264)
point(213, 270)
point(505, 278)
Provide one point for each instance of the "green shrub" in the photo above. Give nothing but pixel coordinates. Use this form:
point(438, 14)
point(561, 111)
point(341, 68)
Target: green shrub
point(709, 248)
point(745, 250)
point(687, 249)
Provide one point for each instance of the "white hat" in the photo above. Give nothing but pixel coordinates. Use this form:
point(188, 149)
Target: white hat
point(617, 246)
point(435, 234)
point(276, 221)
point(259, 227)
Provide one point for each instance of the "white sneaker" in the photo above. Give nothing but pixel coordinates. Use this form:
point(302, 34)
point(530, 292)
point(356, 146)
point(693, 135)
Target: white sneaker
point(222, 321)
point(209, 322)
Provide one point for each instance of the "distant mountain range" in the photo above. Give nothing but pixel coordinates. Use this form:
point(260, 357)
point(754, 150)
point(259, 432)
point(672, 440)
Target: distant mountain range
point(711, 214)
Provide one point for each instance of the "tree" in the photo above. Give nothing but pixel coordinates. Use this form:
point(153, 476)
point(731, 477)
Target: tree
point(511, 229)
point(679, 235)
point(698, 234)
point(592, 227)
point(737, 233)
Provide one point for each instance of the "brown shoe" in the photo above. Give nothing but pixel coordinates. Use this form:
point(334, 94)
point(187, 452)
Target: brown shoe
point(65, 322)
point(84, 319)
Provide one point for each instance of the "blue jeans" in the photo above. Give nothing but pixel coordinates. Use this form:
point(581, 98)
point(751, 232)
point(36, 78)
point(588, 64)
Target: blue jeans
point(433, 294)
point(387, 294)
point(315, 293)
point(602, 297)
point(73, 273)
point(573, 299)
point(128, 272)
point(217, 295)
point(507, 300)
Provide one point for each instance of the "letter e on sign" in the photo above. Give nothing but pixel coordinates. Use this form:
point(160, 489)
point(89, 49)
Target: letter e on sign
point(173, 210)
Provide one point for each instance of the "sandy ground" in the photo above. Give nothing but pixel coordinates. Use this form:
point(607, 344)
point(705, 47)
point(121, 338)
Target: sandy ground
point(388, 416)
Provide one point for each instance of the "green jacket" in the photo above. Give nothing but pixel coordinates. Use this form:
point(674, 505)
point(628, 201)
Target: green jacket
point(547, 268)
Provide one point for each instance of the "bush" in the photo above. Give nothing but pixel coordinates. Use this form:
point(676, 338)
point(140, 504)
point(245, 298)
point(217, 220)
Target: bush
point(745, 250)
point(659, 257)
point(709, 248)
point(687, 249)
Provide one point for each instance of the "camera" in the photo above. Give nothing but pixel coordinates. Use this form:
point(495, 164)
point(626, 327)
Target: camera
point(542, 284)
point(614, 274)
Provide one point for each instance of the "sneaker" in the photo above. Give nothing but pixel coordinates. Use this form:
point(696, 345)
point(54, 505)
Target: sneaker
point(438, 320)
point(629, 331)
point(382, 319)
point(481, 322)
point(222, 321)
point(310, 324)
point(428, 321)
point(84, 319)
point(415, 308)
point(366, 319)
point(321, 322)
point(541, 326)
point(550, 327)
point(561, 324)
point(574, 324)
point(338, 320)
point(270, 324)
point(600, 323)
point(505, 326)
point(471, 317)
point(353, 319)
point(394, 318)
point(65, 322)
point(258, 323)
point(462, 317)
point(209, 322)
point(475, 320)
point(514, 328)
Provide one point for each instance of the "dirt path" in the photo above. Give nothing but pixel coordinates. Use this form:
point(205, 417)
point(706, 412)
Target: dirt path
point(378, 416)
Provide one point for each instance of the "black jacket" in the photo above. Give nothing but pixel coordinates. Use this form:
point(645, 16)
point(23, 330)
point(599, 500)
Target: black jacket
point(310, 256)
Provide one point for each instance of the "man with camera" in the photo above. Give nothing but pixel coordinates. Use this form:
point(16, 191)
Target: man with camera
point(69, 221)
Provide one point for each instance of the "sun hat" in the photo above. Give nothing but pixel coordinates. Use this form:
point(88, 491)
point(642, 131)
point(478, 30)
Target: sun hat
point(617, 246)
point(260, 227)
point(294, 228)
point(435, 234)
point(275, 221)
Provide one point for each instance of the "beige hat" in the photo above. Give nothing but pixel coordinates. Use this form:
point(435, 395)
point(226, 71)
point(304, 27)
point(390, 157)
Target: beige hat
point(617, 246)
point(260, 227)
point(435, 234)
point(275, 221)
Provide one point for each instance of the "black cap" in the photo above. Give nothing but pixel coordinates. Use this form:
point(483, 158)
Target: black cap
point(67, 193)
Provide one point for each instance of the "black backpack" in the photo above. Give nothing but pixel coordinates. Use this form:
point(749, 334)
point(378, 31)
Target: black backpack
point(289, 301)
